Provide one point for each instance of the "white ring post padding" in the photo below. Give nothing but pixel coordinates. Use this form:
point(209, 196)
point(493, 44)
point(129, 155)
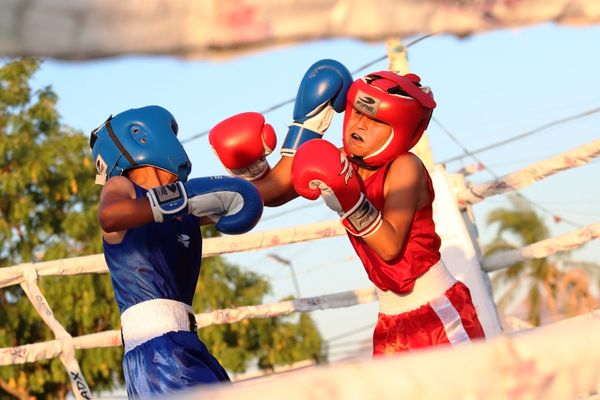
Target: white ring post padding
point(559, 361)
point(530, 174)
point(459, 251)
point(79, 386)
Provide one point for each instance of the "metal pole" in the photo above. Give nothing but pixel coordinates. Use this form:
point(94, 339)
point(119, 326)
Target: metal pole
point(296, 286)
point(287, 262)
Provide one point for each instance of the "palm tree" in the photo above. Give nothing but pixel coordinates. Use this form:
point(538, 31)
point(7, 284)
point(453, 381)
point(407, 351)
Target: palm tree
point(555, 284)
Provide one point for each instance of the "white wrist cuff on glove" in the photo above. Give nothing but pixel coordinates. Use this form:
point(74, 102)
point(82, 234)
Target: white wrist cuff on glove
point(321, 120)
point(252, 172)
point(363, 219)
point(167, 200)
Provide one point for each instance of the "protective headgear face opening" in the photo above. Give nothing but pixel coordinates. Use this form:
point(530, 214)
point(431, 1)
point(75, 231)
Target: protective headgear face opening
point(397, 100)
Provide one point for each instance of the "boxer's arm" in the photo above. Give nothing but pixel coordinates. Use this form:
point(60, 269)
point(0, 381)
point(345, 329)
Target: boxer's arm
point(276, 187)
point(405, 191)
point(119, 210)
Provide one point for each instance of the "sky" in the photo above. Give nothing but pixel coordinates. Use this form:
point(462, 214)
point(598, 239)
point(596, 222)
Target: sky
point(488, 87)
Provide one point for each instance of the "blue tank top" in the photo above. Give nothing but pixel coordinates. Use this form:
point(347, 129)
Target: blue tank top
point(156, 261)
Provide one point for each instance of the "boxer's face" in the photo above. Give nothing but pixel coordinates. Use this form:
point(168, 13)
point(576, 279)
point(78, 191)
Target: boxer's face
point(364, 135)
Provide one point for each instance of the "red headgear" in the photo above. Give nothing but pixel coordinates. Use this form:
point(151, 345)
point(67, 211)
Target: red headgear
point(397, 100)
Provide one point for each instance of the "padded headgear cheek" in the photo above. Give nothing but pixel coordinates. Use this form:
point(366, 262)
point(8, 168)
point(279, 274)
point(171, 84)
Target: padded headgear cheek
point(106, 157)
point(396, 100)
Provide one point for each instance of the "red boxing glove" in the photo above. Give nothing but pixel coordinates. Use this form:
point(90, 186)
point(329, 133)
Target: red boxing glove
point(321, 169)
point(242, 143)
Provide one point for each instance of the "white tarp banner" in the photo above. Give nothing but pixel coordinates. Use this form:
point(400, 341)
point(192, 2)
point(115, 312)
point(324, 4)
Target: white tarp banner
point(86, 29)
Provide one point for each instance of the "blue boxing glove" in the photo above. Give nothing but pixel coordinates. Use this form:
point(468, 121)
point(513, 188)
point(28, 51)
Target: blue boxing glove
point(233, 203)
point(322, 91)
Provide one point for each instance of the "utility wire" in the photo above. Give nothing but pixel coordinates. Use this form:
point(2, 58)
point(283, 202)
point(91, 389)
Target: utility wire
point(382, 58)
point(469, 153)
point(522, 135)
point(290, 101)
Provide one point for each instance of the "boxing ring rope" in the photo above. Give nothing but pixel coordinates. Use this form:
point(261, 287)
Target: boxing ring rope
point(15, 275)
point(112, 338)
point(541, 249)
point(63, 345)
point(95, 264)
point(524, 177)
point(64, 339)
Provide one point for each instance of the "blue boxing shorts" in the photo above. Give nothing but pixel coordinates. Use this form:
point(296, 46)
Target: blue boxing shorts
point(171, 362)
point(156, 364)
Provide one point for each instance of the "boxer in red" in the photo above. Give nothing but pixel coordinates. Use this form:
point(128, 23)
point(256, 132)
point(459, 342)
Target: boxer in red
point(382, 192)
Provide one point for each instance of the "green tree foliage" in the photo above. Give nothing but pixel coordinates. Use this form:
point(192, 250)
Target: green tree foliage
point(266, 342)
point(552, 284)
point(48, 210)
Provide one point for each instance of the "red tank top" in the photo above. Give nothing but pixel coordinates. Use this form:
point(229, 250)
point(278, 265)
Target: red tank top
point(422, 249)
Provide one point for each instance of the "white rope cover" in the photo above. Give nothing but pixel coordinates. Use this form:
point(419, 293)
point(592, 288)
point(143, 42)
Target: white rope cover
point(53, 348)
point(544, 248)
point(211, 29)
point(558, 361)
point(67, 349)
point(531, 174)
point(336, 300)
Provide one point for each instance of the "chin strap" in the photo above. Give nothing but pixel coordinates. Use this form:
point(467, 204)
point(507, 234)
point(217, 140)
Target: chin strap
point(361, 163)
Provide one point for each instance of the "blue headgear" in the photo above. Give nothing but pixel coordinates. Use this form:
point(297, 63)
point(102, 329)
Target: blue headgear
point(138, 137)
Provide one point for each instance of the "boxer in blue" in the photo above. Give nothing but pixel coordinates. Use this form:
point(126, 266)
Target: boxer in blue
point(150, 215)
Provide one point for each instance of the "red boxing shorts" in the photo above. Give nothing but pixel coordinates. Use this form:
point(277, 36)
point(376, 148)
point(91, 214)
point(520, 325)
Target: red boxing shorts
point(425, 318)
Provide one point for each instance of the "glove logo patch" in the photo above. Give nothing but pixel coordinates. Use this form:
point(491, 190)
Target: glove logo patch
point(345, 168)
point(184, 240)
point(366, 104)
point(166, 193)
point(364, 216)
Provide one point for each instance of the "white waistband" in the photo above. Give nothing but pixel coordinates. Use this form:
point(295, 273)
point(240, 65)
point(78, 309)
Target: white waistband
point(153, 318)
point(432, 284)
